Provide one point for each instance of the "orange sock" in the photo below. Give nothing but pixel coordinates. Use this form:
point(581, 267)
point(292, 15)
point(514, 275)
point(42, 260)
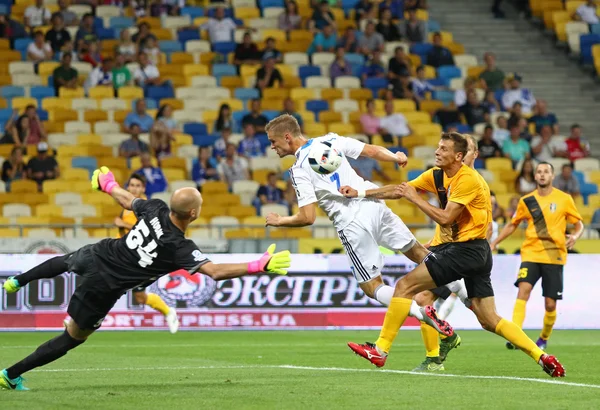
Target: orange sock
point(517, 337)
point(394, 318)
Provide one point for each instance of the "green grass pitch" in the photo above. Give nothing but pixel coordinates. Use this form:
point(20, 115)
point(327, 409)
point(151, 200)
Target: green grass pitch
point(297, 370)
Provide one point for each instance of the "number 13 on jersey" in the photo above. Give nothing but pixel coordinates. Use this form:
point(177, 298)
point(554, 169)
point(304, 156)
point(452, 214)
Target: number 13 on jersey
point(335, 178)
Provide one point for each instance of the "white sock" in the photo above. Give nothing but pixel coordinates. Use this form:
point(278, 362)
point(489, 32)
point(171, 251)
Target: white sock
point(446, 307)
point(415, 311)
point(458, 287)
point(438, 304)
point(384, 294)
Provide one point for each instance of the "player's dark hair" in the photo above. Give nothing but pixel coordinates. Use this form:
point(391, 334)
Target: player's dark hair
point(460, 141)
point(139, 177)
point(546, 163)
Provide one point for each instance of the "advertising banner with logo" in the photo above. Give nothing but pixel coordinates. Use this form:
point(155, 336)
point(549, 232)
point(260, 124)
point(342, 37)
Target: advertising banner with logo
point(318, 293)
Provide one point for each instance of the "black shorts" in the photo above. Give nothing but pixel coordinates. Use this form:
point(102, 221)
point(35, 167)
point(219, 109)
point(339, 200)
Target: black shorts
point(471, 261)
point(93, 298)
point(441, 292)
point(551, 274)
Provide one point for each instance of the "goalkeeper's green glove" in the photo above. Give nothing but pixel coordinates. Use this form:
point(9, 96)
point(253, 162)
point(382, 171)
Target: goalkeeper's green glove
point(271, 262)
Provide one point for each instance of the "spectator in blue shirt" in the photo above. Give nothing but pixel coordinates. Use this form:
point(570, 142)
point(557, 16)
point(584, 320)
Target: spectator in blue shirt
point(439, 55)
point(155, 179)
point(364, 9)
point(375, 68)
point(322, 17)
point(543, 117)
point(269, 194)
point(203, 168)
point(86, 33)
point(324, 41)
point(516, 148)
point(220, 145)
point(420, 85)
point(395, 6)
point(139, 117)
point(250, 146)
point(365, 166)
point(133, 147)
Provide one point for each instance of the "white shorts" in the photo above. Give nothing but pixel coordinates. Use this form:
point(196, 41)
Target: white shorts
point(375, 225)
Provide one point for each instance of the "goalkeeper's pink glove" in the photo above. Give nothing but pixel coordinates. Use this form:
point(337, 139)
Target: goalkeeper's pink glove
point(104, 180)
point(271, 262)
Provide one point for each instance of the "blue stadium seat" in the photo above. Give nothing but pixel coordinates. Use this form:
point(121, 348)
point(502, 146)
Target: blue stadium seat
point(121, 22)
point(348, 5)
point(595, 28)
point(412, 174)
point(433, 26)
point(305, 71)
point(185, 35)
point(586, 41)
point(204, 140)
point(317, 106)
point(40, 92)
point(222, 70)
point(228, 12)
point(376, 84)
point(357, 69)
point(43, 114)
point(5, 115)
point(151, 104)
point(449, 72)
point(479, 163)
point(421, 49)
point(11, 91)
point(4, 9)
point(354, 58)
point(21, 44)
point(237, 119)
point(246, 94)
point(89, 163)
point(105, 33)
point(270, 114)
point(399, 149)
point(444, 96)
point(98, 23)
point(224, 47)
point(463, 129)
point(438, 82)
point(263, 4)
point(193, 12)
point(169, 46)
point(586, 189)
point(195, 128)
point(580, 177)
point(158, 93)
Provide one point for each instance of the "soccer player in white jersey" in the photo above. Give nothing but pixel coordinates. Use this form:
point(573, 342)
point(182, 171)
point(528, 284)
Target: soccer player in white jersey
point(362, 224)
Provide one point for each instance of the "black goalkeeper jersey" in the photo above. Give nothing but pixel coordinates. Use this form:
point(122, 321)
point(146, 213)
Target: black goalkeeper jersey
point(154, 247)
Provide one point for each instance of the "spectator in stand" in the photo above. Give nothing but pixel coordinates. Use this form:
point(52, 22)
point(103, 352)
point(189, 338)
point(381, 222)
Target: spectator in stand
point(321, 18)
point(31, 127)
point(155, 179)
point(596, 220)
point(516, 148)
point(375, 67)
point(516, 112)
point(70, 18)
point(492, 76)
point(268, 75)
point(323, 41)
point(90, 53)
point(576, 146)
point(11, 29)
point(566, 181)
point(39, 50)
point(490, 102)
point(271, 51)
point(57, 36)
point(394, 6)
point(68, 48)
point(412, 29)
point(542, 117)
point(369, 121)
point(364, 9)
point(544, 147)
point(203, 168)
point(399, 63)
point(517, 94)
point(139, 117)
point(587, 13)
point(512, 208)
point(86, 33)
point(147, 74)
point(289, 107)
point(393, 123)
point(371, 40)
point(415, 5)
point(220, 28)
point(152, 51)
point(460, 96)
point(340, 66)
point(233, 168)
point(64, 75)
point(12, 134)
point(488, 148)
point(101, 75)
point(133, 146)
point(269, 193)
point(473, 111)
point(525, 182)
point(290, 19)
point(348, 41)
point(246, 52)
point(14, 167)
point(161, 134)
point(439, 55)
point(524, 130)
point(142, 35)
point(250, 146)
point(36, 15)
point(497, 210)
point(400, 87)
point(224, 120)
point(387, 28)
point(364, 167)
point(255, 117)
point(42, 167)
point(420, 86)
point(220, 145)
point(121, 74)
point(127, 48)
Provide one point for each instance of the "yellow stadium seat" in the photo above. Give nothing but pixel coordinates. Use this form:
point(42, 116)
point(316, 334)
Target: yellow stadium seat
point(341, 128)
point(560, 17)
point(290, 82)
point(236, 105)
point(52, 103)
point(225, 200)
point(47, 210)
point(55, 185)
point(89, 139)
point(62, 115)
point(247, 12)
point(594, 201)
point(261, 175)
point(214, 187)
point(361, 94)
point(210, 211)
point(241, 211)
point(101, 92)
point(170, 69)
point(594, 176)
point(300, 35)
point(247, 70)
point(456, 48)
point(331, 94)
point(4, 44)
point(431, 106)
point(130, 93)
point(96, 198)
point(232, 82)
point(315, 130)
point(287, 162)
point(23, 185)
point(153, 22)
point(75, 174)
point(173, 102)
point(404, 105)
point(427, 129)
point(20, 103)
point(498, 164)
point(10, 233)
point(209, 117)
point(195, 69)
point(417, 117)
point(78, 92)
point(135, 163)
point(173, 163)
point(180, 57)
point(183, 139)
point(278, 35)
point(274, 105)
point(174, 174)
point(245, 233)
point(302, 94)
point(94, 116)
point(276, 93)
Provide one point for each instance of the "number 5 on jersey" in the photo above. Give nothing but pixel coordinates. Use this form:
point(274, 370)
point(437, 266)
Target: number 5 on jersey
point(135, 240)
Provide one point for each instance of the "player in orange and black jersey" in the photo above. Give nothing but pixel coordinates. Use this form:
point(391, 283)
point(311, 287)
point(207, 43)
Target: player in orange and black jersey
point(544, 252)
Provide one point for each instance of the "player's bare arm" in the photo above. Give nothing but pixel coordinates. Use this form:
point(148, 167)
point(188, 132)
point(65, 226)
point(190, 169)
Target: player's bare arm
point(305, 217)
point(120, 223)
point(383, 154)
point(507, 231)
point(572, 238)
point(104, 180)
point(385, 192)
point(442, 216)
point(123, 197)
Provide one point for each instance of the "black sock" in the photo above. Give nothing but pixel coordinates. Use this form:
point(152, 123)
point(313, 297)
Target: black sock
point(49, 269)
point(46, 353)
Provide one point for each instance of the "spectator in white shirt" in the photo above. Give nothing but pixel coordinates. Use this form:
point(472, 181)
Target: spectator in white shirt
point(152, 50)
point(147, 73)
point(518, 94)
point(102, 75)
point(545, 147)
point(394, 123)
point(220, 29)
point(460, 96)
point(39, 50)
point(587, 12)
point(36, 16)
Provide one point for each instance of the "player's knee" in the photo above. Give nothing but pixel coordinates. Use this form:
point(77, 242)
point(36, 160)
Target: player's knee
point(550, 305)
point(404, 288)
point(524, 293)
point(425, 298)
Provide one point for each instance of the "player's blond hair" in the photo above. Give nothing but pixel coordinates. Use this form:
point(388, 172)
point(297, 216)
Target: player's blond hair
point(284, 124)
point(473, 140)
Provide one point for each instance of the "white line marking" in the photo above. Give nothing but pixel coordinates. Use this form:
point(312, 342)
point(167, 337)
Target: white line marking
point(216, 345)
point(324, 369)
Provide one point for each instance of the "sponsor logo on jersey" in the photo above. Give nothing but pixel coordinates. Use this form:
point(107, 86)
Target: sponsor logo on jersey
point(553, 207)
point(181, 286)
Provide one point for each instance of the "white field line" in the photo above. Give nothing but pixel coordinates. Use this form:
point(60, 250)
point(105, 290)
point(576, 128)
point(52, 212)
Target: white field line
point(325, 369)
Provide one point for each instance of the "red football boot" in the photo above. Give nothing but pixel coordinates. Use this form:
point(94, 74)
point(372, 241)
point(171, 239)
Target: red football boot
point(552, 366)
point(369, 352)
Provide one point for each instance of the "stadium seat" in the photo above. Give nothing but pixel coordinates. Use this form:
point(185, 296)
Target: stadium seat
point(16, 210)
point(587, 164)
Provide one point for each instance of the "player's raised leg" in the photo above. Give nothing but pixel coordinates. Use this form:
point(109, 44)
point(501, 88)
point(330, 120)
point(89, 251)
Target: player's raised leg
point(155, 302)
point(48, 269)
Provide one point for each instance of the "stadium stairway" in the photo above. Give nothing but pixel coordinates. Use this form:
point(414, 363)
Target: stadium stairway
point(521, 48)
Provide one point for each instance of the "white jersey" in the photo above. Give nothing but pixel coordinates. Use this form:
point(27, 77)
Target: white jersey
point(324, 189)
